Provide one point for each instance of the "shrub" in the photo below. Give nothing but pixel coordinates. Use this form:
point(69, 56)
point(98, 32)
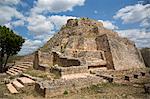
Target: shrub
point(65, 92)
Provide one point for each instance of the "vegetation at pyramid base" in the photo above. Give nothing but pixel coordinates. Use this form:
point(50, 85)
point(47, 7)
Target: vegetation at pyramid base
point(10, 44)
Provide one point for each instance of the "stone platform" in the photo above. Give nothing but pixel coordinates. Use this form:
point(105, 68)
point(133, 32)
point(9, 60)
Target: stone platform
point(59, 86)
point(69, 70)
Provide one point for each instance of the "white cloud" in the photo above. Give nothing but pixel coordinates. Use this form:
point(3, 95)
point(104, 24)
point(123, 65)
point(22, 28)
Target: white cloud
point(7, 13)
point(56, 5)
point(43, 28)
point(39, 24)
point(9, 2)
point(29, 46)
point(139, 14)
point(108, 25)
point(18, 23)
point(59, 21)
point(140, 37)
point(8, 25)
point(135, 13)
point(13, 24)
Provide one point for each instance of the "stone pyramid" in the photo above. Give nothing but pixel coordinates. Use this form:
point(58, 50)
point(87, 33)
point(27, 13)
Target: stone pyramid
point(85, 42)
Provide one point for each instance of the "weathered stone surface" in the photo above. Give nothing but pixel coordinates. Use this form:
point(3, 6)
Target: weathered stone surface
point(26, 81)
point(146, 56)
point(11, 88)
point(17, 84)
point(57, 87)
point(125, 54)
point(147, 88)
point(44, 67)
point(18, 68)
point(36, 60)
point(31, 77)
point(69, 70)
point(89, 42)
point(64, 61)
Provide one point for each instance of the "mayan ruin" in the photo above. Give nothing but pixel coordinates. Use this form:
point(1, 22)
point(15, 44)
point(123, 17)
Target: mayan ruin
point(74, 49)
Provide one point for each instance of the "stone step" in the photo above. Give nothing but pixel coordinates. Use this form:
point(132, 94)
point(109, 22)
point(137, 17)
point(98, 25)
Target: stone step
point(27, 62)
point(96, 62)
point(31, 77)
point(17, 84)
point(19, 71)
point(18, 63)
point(73, 76)
point(107, 77)
point(19, 68)
point(10, 73)
point(102, 68)
point(26, 81)
point(11, 88)
point(14, 72)
point(28, 65)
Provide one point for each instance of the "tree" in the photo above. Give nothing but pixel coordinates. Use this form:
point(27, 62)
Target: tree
point(10, 44)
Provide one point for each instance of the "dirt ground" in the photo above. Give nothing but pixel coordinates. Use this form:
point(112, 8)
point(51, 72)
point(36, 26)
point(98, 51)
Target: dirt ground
point(131, 90)
point(101, 91)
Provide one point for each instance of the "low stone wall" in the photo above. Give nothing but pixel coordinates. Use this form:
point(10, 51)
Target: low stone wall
point(44, 67)
point(119, 76)
point(64, 61)
point(59, 86)
point(69, 70)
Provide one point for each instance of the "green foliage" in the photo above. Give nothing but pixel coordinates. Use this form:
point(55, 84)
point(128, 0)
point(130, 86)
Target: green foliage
point(84, 18)
point(10, 44)
point(65, 27)
point(37, 73)
point(76, 20)
point(65, 92)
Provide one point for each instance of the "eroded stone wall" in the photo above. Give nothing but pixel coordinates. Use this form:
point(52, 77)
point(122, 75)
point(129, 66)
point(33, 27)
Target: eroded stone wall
point(45, 58)
point(146, 56)
point(88, 41)
point(64, 61)
point(36, 60)
point(125, 54)
point(69, 70)
point(57, 87)
point(103, 44)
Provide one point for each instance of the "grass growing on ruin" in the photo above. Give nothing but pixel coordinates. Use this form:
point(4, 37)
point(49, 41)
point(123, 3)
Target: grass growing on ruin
point(3, 90)
point(65, 92)
point(40, 74)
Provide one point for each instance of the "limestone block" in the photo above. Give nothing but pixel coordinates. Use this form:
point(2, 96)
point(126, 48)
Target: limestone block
point(36, 60)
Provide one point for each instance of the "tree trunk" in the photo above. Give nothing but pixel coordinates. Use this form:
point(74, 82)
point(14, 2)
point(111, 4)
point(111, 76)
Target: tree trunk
point(4, 68)
point(1, 67)
point(1, 60)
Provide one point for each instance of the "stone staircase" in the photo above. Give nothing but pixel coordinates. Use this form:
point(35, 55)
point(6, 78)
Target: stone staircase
point(19, 68)
point(19, 83)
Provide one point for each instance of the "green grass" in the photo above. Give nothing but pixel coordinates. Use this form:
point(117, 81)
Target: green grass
point(65, 92)
point(40, 74)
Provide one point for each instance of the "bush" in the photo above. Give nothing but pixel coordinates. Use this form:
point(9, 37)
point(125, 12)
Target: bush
point(65, 92)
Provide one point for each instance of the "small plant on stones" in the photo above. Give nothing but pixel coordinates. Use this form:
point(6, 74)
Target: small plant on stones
point(65, 92)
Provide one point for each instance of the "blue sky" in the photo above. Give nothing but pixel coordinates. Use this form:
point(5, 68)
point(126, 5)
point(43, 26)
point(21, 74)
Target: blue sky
point(38, 20)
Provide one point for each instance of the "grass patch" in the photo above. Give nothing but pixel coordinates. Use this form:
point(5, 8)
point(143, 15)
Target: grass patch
point(43, 74)
point(40, 74)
